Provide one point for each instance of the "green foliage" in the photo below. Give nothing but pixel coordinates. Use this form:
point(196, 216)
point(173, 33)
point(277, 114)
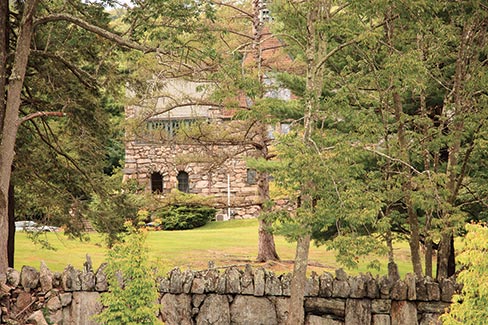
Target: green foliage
point(110, 209)
point(132, 298)
point(184, 217)
point(469, 307)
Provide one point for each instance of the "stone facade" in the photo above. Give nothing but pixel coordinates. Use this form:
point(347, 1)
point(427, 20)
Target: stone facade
point(216, 170)
point(229, 296)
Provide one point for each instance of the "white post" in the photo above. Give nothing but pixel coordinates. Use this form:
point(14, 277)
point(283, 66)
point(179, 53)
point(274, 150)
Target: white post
point(228, 196)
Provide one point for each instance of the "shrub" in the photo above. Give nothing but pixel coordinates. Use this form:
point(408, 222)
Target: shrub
point(184, 217)
point(133, 293)
point(469, 307)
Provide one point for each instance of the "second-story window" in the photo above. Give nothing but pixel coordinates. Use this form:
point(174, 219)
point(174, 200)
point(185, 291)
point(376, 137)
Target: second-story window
point(170, 126)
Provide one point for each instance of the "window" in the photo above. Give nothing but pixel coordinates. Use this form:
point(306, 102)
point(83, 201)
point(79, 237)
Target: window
point(170, 126)
point(156, 183)
point(183, 182)
point(251, 176)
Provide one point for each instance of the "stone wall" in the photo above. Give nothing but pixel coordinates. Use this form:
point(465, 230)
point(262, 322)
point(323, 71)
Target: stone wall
point(143, 159)
point(228, 296)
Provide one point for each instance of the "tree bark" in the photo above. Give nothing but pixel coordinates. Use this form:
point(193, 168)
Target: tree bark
point(11, 226)
point(266, 246)
point(4, 45)
point(296, 313)
point(11, 122)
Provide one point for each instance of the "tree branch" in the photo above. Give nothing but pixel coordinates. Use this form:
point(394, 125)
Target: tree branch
point(39, 114)
point(79, 73)
point(97, 30)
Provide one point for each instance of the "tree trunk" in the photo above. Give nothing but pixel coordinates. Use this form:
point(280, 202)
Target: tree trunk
point(296, 313)
point(11, 120)
point(11, 226)
point(393, 273)
point(446, 262)
point(4, 45)
point(266, 244)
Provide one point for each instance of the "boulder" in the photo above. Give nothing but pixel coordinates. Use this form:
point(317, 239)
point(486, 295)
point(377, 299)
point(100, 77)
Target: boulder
point(215, 310)
point(250, 310)
point(176, 309)
point(13, 277)
point(29, 278)
point(84, 306)
point(45, 277)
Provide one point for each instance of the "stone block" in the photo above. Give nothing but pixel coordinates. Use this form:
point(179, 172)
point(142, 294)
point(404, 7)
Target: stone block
point(83, 308)
point(211, 278)
point(176, 309)
point(380, 319)
point(322, 306)
point(341, 288)
point(430, 319)
point(252, 310)
point(188, 277)
point(434, 307)
point(13, 277)
point(215, 310)
point(247, 281)
point(399, 290)
point(358, 311)
point(433, 291)
point(448, 288)
point(233, 282)
point(29, 278)
point(403, 313)
point(71, 279)
point(326, 281)
point(381, 306)
point(312, 287)
point(259, 282)
point(272, 285)
point(410, 282)
point(285, 284)
point(317, 320)
point(358, 286)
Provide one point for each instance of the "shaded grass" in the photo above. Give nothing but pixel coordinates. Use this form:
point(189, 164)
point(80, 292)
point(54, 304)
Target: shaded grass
point(225, 243)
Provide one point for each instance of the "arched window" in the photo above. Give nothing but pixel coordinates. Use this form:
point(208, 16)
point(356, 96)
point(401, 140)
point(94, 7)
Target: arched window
point(183, 182)
point(156, 183)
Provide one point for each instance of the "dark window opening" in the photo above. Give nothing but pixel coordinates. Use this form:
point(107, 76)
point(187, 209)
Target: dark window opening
point(251, 177)
point(156, 183)
point(183, 182)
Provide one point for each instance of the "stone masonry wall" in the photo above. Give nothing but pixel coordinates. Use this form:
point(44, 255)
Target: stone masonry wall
point(227, 296)
point(142, 159)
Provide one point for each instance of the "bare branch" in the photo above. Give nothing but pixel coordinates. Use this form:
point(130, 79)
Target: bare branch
point(379, 153)
point(225, 4)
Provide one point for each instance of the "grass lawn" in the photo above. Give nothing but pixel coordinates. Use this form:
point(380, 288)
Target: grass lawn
point(226, 243)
